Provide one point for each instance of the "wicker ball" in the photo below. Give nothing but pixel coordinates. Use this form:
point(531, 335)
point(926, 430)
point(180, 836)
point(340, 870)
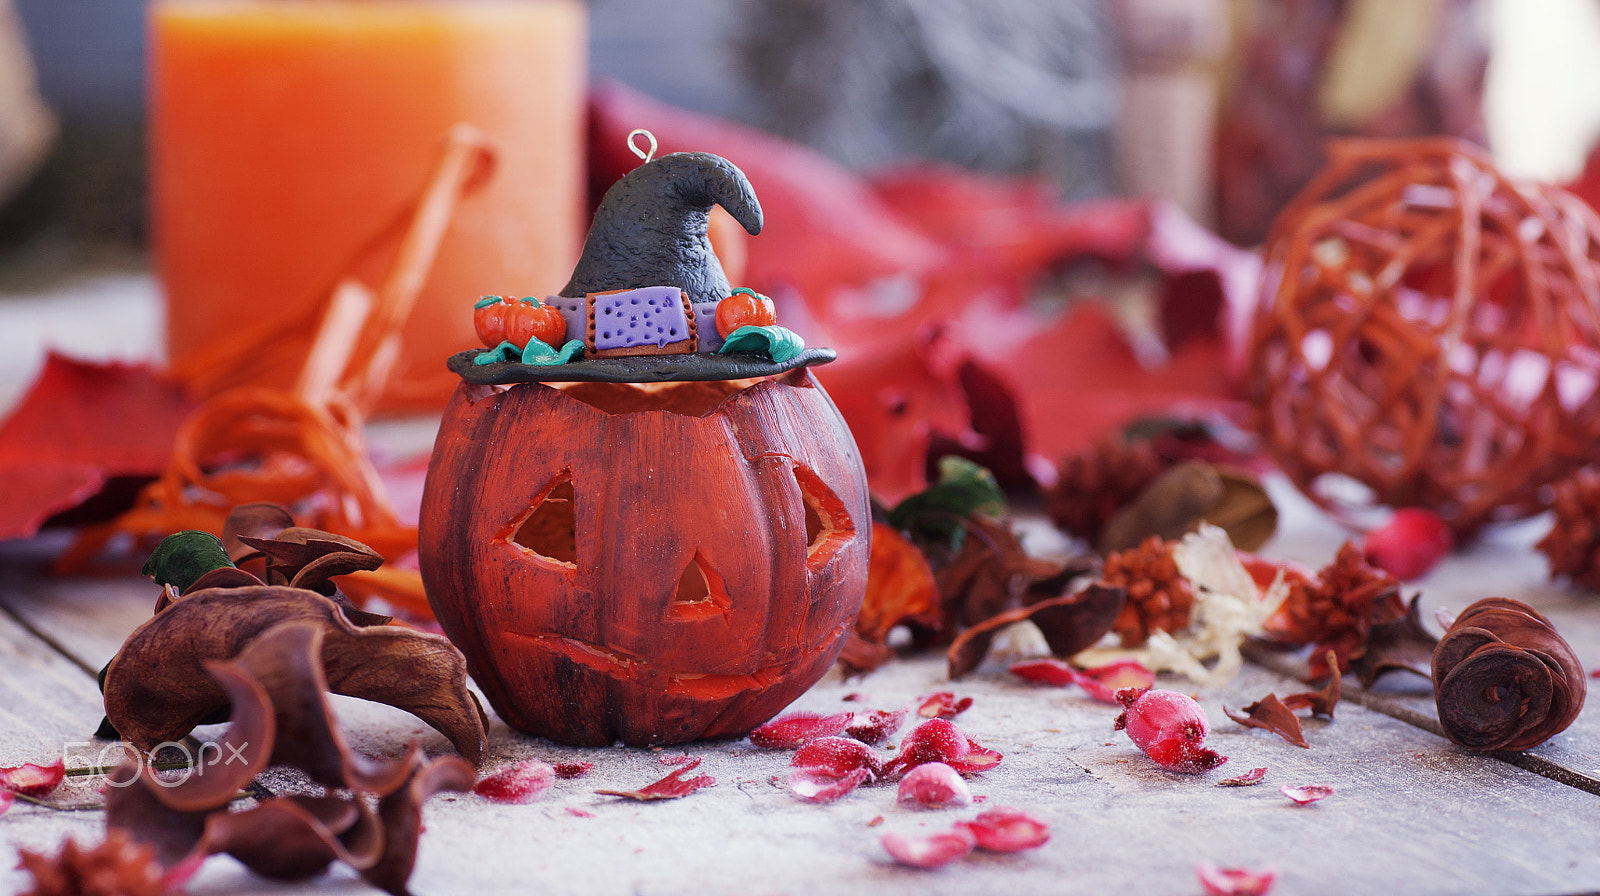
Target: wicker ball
point(1429, 330)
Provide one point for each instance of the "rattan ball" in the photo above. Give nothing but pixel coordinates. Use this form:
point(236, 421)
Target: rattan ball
point(1428, 335)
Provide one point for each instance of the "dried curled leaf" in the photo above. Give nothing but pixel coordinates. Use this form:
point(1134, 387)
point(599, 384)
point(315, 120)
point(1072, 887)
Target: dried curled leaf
point(1271, 714)
point(1504, 679)
point(1183, 496)
point(1069, 624)
point(156, 688)
point(280, 714)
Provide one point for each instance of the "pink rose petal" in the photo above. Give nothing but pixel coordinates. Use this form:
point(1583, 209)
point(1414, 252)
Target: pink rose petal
point(879, 726)
point(569, 770)
point(520, 783)
point(934, 785)
point(931, 850)
point(6, 799)
point(1250, 777)
point(798, 728)
point(33, 780)
point(943, 705)
point(830, 767)
point(1234, 881)
point(1003, 829)
point(1103, 682)
point(1305, 794)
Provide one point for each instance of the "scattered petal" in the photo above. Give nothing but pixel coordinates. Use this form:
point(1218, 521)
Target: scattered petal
point(1304, 794)
point(943, 705)
point(568, 770)
point(1003, 829)
point(876, 820)
point(679, 759)
point(6, 799)
point(929, 851)
point(934, 785)
point(1169, 727)
point(520, 783)
point(1270, 713)
point(1046, 671)
point(818, 785)
point(796, 729)
point(33, 780)
point(830, 767)
point(939, 740)
point(580, 813)
point(1253, 776)
point(881, 725)
point(856, 697)
point(1234, 881)
point(671, 787)
point(1103, 682)
point(1410, 544)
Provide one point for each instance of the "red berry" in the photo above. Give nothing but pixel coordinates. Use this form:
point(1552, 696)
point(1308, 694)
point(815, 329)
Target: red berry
point(1410, 543)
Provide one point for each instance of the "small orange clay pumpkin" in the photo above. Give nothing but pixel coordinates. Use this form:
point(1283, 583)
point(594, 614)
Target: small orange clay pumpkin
point(654, 564)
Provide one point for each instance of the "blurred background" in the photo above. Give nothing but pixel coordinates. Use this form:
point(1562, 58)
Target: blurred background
point(1006, 85)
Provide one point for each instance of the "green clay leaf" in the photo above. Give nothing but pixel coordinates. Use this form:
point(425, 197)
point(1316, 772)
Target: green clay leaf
point(500, 354)
point(185, 556)
point(540, 355)
point(486, 301)
point(778, 343)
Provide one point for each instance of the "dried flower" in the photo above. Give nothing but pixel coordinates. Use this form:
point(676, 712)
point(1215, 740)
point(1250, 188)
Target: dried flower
point(1169, 727)
point(1160, 599)
point(1573, 542)
point(1097, 481)
point(119, 866)
point(1339, 608)
point(1504, 679)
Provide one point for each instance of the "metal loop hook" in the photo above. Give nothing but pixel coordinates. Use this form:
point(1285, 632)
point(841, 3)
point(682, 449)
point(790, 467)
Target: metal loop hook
point(644, 154)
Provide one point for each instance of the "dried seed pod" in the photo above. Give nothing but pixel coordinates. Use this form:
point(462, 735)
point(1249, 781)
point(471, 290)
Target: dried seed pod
point(1504, 679)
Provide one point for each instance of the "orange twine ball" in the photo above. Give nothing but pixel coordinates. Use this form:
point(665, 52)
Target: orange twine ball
point(1430, 330)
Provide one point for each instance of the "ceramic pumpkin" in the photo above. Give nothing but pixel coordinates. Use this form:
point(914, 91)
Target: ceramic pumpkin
point(649, 549)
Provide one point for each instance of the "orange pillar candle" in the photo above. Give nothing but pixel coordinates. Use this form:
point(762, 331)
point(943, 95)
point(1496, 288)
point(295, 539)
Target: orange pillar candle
point(290, 138)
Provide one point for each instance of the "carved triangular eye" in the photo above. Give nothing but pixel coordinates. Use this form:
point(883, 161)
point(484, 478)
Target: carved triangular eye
point(701, 593)
point(828, 523)
point(549, 527)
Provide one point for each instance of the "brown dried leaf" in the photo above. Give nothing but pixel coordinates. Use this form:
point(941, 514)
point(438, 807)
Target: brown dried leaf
point(259, 520)
point(1403, 644)
point(1322, 701)
point(157, 689)
point(291, 838)
point(1270, 714)
point(1183, 496)
point(400, 814)
point(309, 558)
point(1070, 624)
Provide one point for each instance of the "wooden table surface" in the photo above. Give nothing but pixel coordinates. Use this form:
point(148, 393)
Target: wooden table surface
point(1412, 814)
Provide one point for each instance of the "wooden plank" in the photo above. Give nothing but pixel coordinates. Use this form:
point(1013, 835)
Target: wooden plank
point(86, 617)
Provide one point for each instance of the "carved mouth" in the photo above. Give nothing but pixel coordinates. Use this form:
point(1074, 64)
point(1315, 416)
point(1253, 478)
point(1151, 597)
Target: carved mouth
point(699, 686)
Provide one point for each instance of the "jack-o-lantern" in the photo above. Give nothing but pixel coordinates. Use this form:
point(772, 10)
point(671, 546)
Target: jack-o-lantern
point(653, 549)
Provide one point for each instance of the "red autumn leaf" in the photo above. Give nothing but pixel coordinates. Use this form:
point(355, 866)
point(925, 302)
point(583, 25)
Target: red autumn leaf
point(568, 770)
point(939, 740)
point(879, 726)
point(1305, 794)
point(830, 767)
point(1003, 829)
point(672, 787)
point(1249, 778)
point(519, 783)
point(930, 850)
point(1234, 881)
point(1270, 714)
point(943, 705)
point(933, 785)
point(33, 780)
point(799, 728)
point(81, 425)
